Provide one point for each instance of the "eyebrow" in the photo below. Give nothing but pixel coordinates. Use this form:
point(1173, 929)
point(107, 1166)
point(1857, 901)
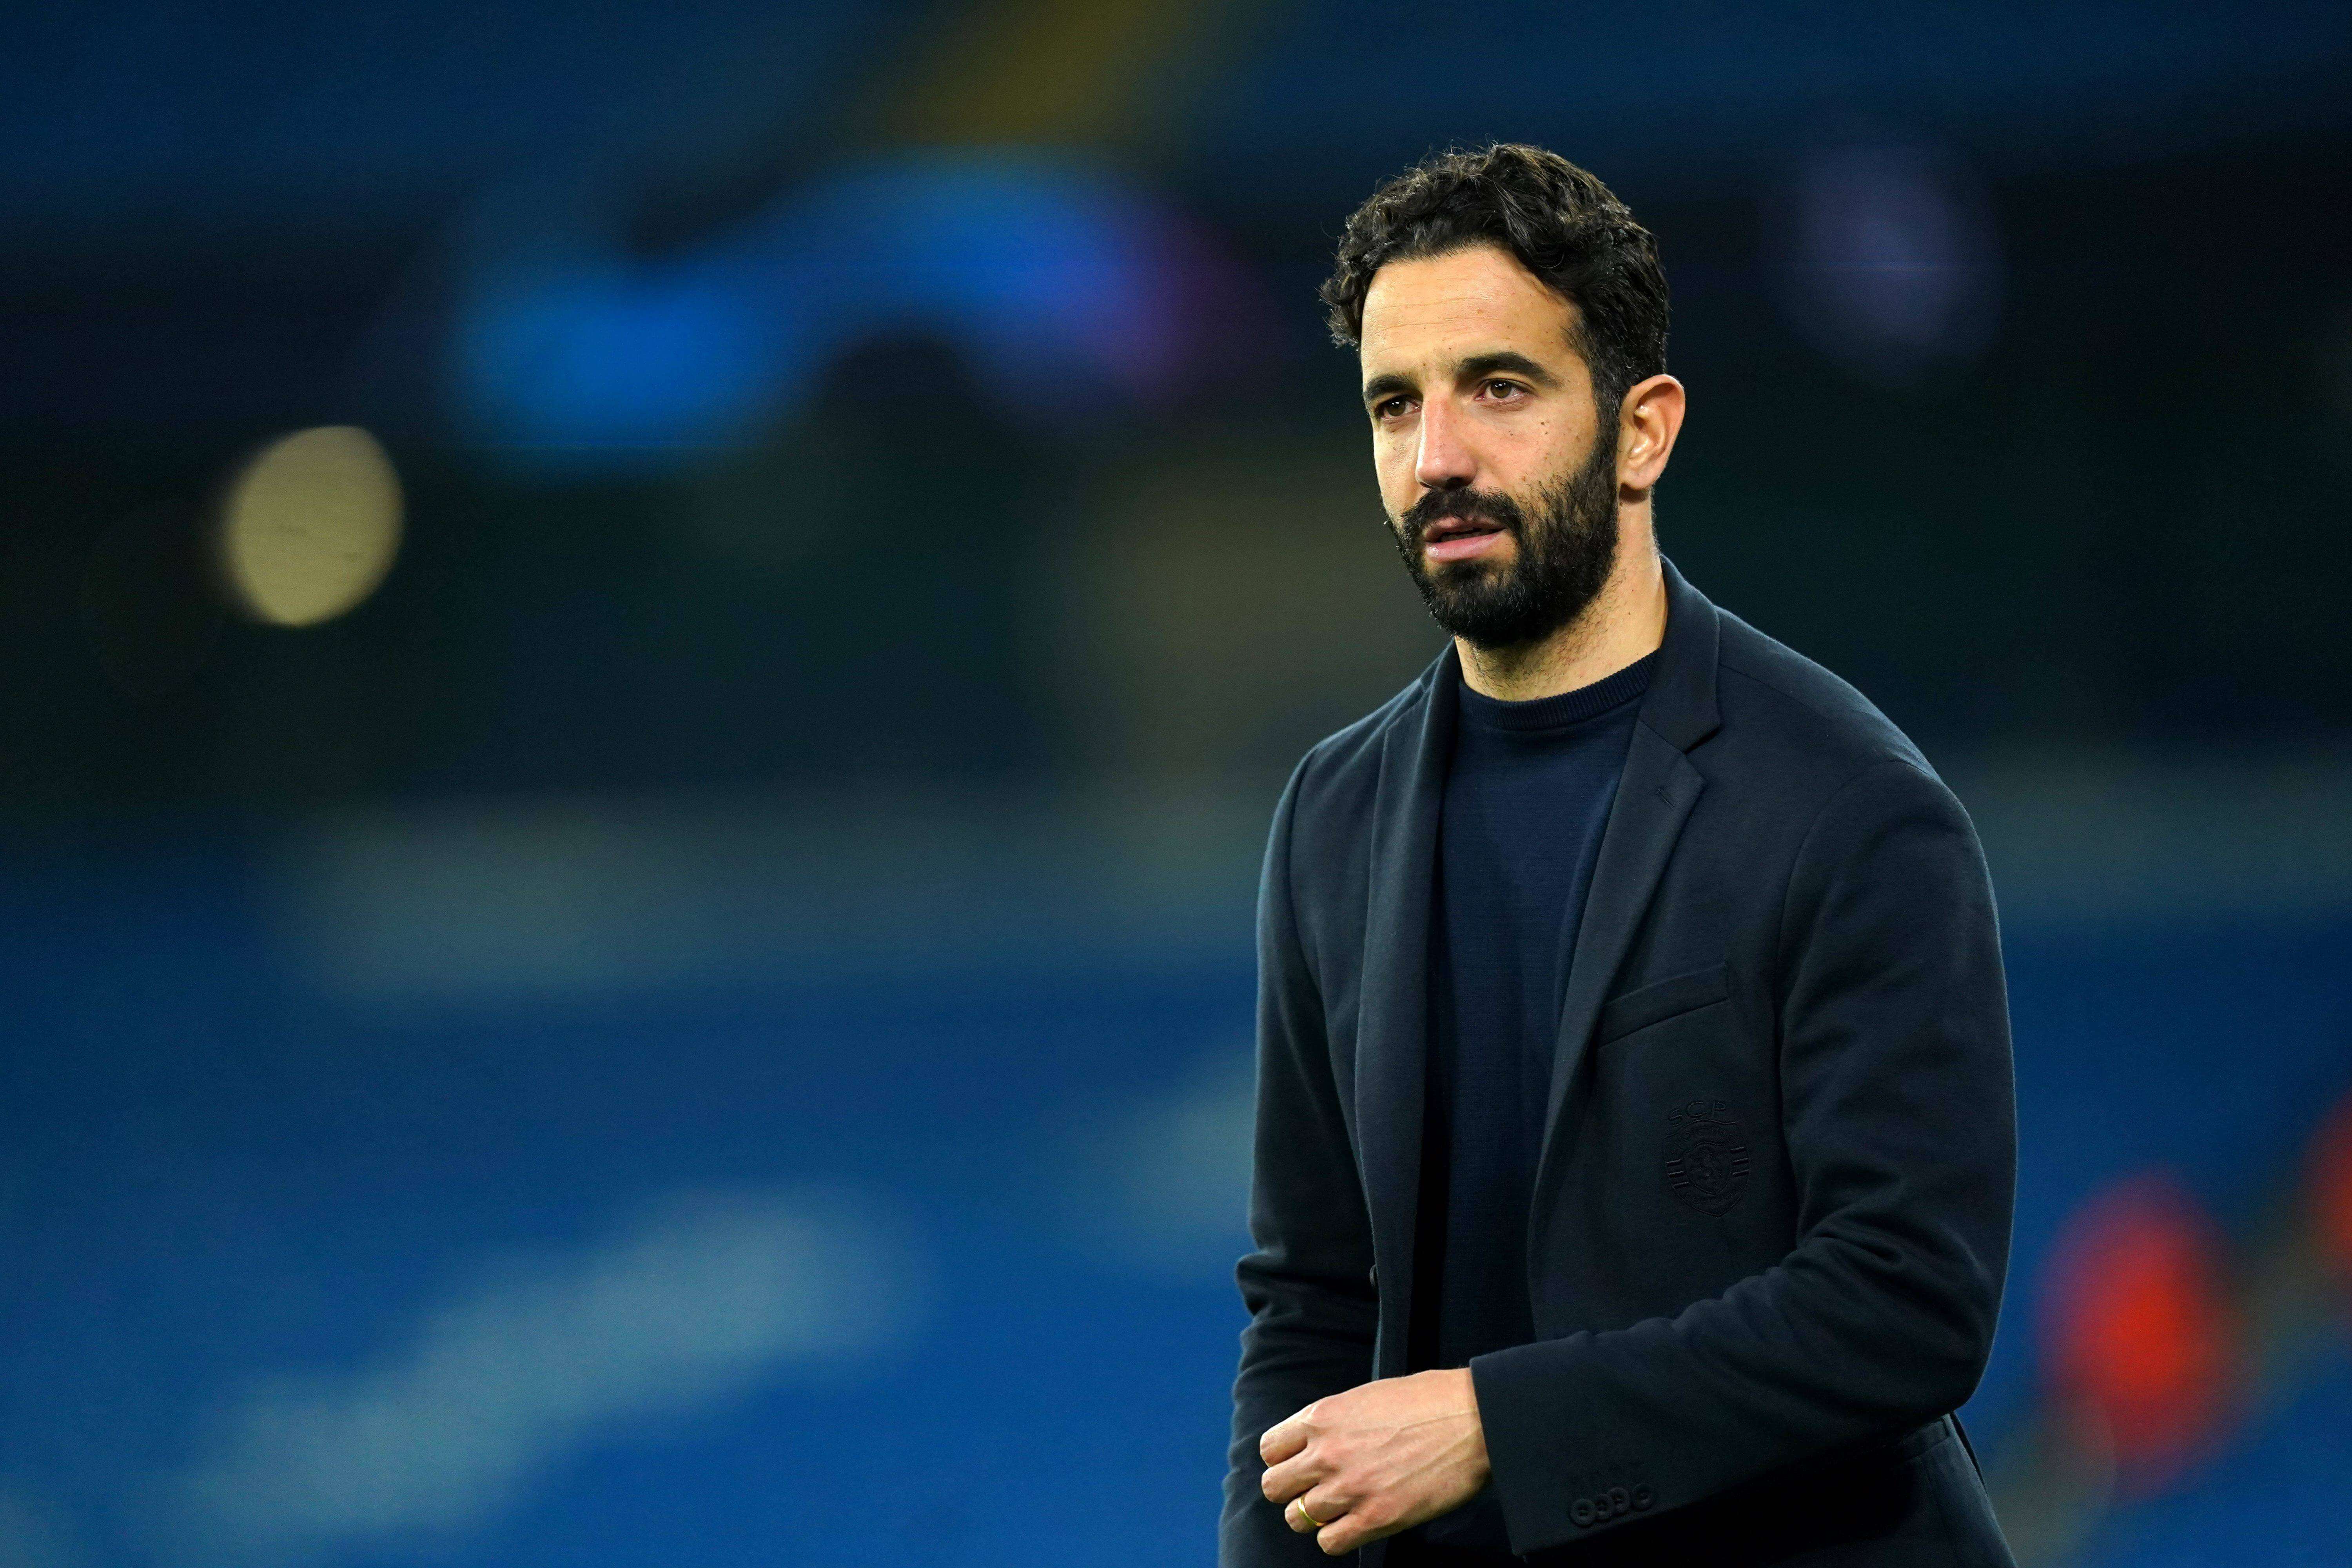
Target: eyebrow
point(1495, 361)
point(1505, 360)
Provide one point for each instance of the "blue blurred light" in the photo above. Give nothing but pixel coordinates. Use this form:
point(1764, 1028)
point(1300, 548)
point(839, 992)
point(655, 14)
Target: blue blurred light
point(602, 360)
point(1063, 288)
point(1889, 260)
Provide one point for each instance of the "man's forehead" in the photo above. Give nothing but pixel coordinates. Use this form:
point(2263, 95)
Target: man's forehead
point(1435, 312)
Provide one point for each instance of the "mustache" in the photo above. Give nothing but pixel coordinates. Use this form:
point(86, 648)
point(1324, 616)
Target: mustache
point(1467, 506)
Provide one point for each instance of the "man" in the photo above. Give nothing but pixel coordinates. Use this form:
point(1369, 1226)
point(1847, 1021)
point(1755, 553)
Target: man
point(1635, 1139)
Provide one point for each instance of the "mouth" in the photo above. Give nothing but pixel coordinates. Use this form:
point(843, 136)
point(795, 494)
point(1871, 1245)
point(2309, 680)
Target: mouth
point(1460, 538)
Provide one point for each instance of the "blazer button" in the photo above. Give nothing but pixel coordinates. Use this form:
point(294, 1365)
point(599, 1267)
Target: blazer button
point(1642, 1499)
point(1581, 1513)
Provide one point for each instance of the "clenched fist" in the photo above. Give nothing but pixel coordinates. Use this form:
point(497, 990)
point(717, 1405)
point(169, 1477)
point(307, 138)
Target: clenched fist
point(1382, 1458)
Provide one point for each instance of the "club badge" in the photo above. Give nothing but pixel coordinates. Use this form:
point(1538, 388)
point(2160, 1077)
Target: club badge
point(1707, 1156)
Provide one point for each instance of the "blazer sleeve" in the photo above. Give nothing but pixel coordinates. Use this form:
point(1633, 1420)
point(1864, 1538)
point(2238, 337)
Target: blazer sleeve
point(1308, 1286)
point(1899, 1121)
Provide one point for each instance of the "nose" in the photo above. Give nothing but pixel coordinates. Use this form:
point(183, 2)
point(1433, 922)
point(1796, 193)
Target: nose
point(1443, 461)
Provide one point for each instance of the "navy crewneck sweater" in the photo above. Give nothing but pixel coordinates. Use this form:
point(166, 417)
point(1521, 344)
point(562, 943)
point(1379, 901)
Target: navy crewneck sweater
point(1528, 793)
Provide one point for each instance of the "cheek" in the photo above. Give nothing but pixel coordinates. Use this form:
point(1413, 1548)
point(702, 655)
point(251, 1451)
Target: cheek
point(1393, 472)
point(1542, 454)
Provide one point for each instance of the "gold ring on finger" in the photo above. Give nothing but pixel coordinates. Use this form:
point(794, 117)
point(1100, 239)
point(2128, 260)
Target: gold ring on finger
point(1300, 1504)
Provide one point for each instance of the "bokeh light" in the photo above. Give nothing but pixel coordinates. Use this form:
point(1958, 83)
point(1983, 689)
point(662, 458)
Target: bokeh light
point(2135, 1328)
point(2331, 1188)
point(311, 526)
point(1889, 262)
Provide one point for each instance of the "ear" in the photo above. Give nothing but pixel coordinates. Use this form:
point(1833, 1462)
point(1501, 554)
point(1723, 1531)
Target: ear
point(1647, 423)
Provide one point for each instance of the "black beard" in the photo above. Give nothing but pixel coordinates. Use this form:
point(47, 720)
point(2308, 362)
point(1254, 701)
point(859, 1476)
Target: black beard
point(1566, 549)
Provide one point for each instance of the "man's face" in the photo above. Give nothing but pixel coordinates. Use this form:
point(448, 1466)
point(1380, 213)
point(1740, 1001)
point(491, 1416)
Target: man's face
point(1499, 476)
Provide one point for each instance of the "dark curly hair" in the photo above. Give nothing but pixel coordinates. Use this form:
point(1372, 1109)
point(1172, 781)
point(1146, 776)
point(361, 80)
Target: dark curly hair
point(1561, 222)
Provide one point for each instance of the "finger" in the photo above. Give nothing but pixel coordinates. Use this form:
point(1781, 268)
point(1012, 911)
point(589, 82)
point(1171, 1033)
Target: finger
point(1285, 1481)
point(1345, 1535)
point(1308, 1514)
point(1361, 1521)
point(1284, 1437)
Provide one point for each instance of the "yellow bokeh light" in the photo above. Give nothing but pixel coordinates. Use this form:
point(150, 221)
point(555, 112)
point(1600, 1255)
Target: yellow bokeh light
point(311, 526)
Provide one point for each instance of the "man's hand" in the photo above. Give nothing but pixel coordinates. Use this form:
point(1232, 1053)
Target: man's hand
point(1378, 1458)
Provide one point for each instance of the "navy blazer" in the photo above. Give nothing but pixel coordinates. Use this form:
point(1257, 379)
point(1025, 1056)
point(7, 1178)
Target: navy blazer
point(1771, 1218)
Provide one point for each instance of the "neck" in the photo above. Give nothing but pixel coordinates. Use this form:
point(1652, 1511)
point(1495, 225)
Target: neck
point(1625, 622)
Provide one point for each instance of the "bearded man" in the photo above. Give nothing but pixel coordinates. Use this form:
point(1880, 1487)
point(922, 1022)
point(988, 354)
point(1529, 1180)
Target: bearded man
point(1635, 1138)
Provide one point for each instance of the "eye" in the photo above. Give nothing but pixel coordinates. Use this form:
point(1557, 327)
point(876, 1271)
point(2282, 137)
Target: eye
point(1390, 407)
point(1504, 389)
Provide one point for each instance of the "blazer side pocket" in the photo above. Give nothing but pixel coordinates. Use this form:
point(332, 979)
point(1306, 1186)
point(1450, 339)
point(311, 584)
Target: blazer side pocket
point(1655, 1004)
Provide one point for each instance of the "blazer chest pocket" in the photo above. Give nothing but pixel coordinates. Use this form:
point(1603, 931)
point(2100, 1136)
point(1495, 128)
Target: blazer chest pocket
point(1663, 999)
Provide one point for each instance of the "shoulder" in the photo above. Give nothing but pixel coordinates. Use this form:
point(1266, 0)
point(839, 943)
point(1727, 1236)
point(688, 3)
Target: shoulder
point(1785, 713)
point(1322, 837)
point(1809, 767)
point(1802, 757)
point(1340, 774)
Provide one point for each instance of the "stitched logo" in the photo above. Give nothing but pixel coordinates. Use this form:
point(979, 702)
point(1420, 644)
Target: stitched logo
point(1707, 1156)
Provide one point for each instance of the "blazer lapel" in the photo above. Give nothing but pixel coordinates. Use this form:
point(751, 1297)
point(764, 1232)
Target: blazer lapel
point(1655, 796)
point(1391, 1039)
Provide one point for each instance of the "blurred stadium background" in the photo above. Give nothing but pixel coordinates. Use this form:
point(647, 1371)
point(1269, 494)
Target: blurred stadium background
point(644, 649)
